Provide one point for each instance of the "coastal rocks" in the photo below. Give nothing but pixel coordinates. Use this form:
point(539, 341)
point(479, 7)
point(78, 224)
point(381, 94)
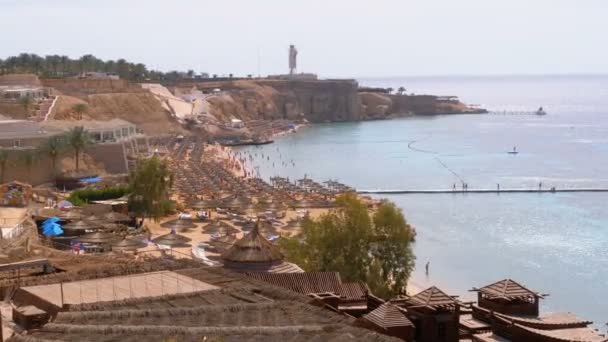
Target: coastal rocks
point(377, 105)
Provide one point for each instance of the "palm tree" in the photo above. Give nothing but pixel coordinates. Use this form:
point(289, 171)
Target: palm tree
point(78, 139)
point(54, 147)
point(401, 90)
point(389, 90)
point(26, 102)
point(29, 158)
point(3, 161)
point(80, 109)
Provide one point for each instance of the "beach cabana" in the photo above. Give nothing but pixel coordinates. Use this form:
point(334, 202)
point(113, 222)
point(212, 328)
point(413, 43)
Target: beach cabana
point(391, 320)
point(172, 240)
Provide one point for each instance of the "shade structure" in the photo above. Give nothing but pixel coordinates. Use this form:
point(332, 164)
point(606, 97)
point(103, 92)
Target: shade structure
point(81, 225)
point(273, 206)
point(204, 204)
point(223, 243)
point(303, 203)
point(254, 253)
point(98, 238)
point(178, 224)
point(70, 215)
point(116, 217)
point(220, 227)
point(172, 239)
point(128, 245)
point(264, 227)
point(234, 203)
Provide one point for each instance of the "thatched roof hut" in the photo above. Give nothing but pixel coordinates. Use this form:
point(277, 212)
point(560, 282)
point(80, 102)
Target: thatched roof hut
point(178, 224)
point(254, 253)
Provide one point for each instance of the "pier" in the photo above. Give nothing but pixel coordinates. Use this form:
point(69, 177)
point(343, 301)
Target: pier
point(477, 191)
point(515, 112)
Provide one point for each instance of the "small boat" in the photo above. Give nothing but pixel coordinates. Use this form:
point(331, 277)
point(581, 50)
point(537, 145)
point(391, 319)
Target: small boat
point(514, 151)
point(540, 111)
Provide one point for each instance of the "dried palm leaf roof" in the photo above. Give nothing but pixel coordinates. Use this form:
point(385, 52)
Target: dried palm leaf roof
point(253, 248)
point(116, 217)
point(128, 245)
point(80, 225)
point(172, 239)
point(97, 238)
point(220, 227)
point(178, 224)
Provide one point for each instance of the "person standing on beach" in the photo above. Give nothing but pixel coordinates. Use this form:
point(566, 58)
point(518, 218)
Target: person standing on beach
point(426, 267)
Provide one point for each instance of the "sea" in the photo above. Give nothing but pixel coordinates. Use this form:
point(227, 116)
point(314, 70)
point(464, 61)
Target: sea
point(553, 243)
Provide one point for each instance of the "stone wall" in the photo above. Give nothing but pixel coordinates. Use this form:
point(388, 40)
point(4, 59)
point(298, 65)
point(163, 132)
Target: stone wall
point(112, 156)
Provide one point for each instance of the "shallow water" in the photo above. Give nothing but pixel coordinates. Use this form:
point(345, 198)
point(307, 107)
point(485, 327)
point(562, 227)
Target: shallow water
point(554, 243)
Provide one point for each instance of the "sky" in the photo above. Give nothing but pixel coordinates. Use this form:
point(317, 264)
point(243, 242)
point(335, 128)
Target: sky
point(335, 38)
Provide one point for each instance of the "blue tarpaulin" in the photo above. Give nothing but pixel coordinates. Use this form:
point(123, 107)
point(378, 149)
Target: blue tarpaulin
point(90, 180)
point(50, 227)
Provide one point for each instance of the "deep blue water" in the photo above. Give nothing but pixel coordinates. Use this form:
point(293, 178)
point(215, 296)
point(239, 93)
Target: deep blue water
point(553, 243)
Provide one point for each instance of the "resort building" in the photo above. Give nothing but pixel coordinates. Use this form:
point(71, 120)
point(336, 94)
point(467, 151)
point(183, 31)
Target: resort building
point(508, 311)
point(434, 314)
point(117, 142)
point(17, 92)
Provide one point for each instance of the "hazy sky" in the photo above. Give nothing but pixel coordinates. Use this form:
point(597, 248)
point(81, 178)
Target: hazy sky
point(335, 38)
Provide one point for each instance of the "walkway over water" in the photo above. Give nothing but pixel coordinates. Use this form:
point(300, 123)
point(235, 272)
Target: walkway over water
point(479, 191)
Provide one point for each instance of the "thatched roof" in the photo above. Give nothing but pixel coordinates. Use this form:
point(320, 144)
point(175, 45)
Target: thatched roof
point(128, 245)
point(97, 238)
point(178, 224)
point(220, 227)
point(116, 217)
point(388, 316)
point(172, 240)
point(204, 204)
point(253, 247)
point(81, 225)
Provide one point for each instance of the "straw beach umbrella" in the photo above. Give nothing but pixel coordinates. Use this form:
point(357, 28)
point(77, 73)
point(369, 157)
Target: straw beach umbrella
point(128, 245)
point(172, 240)
point(220, 227)
point(179, 224)
point(116, 217)
point(98, 238)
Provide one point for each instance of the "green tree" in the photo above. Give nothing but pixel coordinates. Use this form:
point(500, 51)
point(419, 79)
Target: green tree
point(78, 139)
point(26, 102)
point(29, 158)
point(401, 90)
point(150, 183)
point(391, 247)
point(4, 158)
point(80, 109)
point(361, 248)
point(53, 148)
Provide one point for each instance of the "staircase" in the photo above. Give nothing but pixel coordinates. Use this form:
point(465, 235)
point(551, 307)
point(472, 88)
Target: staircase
point(46, 108)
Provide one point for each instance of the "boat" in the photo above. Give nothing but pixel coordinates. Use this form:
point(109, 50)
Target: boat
point(514, 151)
point(540, 111)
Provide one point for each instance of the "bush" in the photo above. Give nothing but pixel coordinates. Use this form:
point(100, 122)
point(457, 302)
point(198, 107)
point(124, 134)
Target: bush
point(81, 197)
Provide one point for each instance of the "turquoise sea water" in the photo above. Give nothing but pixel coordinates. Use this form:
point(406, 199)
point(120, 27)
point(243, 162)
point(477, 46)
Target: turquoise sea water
point(553, 243)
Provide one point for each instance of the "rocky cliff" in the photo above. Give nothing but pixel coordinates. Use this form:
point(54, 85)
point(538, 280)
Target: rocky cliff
point(316, 101)
point(377, 105)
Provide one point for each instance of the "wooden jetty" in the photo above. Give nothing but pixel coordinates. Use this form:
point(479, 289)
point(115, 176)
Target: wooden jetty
point(478, 191)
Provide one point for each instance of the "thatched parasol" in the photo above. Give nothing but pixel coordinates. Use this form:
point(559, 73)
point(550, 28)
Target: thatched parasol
point(303, 203)
point(253, 248)
point(179, 224)
point(204, 204)
point(222, 243)
point(128, 245)
point(80, 225)
point(234, 203)
point(220, 227)
point(69, 215)
point(172, 240)
point(97, 238)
